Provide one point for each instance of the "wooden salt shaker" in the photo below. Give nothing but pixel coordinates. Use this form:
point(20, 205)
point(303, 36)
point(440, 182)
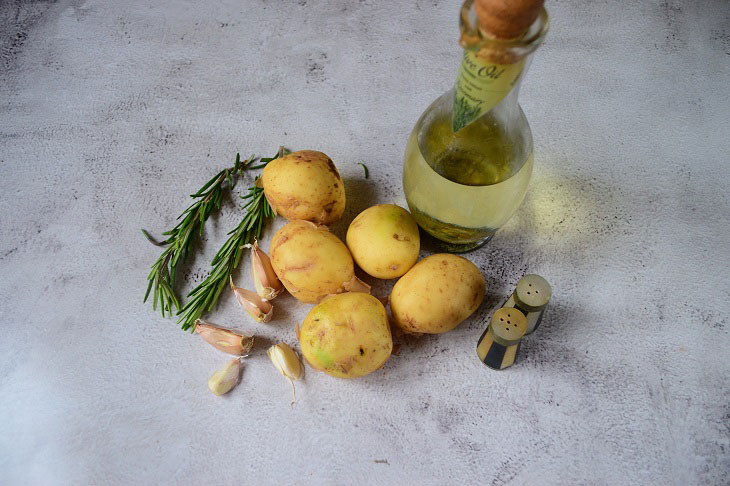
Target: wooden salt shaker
point(500, 342)
point(531, 297)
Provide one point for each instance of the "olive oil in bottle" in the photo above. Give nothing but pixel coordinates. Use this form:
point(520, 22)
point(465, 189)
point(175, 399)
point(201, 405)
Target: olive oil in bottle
point(469, 158)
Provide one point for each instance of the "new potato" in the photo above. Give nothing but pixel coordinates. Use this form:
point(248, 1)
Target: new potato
point(346, 335)
point(384, 241)
point(304, 185)
point(437, 294)
point(312, 263)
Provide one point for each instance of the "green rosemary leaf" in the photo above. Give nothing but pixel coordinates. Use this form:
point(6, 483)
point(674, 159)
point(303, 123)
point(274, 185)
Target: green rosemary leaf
point(365, 168)
point(207, 185)
point(154, 241)
point(147, 294)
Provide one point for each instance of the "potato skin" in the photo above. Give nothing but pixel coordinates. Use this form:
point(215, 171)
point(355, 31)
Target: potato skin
point(384, 241)
point(347, 335)
point(310, 261)
point(437, 294)
point(305, 185)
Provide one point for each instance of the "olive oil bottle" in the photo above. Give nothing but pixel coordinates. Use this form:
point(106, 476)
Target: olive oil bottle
point(469, 158)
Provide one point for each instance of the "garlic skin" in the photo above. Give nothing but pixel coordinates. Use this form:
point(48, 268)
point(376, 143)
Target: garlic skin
point(287, 362)
point(224, 339)
point(226, 378)
point(258, 308)
point(268, 285)
point(357, 285)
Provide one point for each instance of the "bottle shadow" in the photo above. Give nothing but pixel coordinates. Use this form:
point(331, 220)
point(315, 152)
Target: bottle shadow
point(565, 220)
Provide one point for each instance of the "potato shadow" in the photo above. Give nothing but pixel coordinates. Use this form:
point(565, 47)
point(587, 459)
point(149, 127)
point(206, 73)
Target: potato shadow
point(261, 345)
point(285, 306)
point(360, 194)
point(429, 244)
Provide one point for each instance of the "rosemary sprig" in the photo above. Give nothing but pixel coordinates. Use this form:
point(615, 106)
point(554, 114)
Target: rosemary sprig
point(256, 211)
point(161, 278)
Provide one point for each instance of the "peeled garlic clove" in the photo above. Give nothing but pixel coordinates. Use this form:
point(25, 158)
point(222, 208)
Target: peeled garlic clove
point(226, 378)
point(260, 309)
point(226, 340)
point(287, 362)
point(267, 283)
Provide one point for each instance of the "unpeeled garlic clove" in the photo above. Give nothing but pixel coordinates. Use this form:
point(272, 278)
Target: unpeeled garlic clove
point(226, 340)
point(268, 285)
point(287, 362)
point(260, 309)
point(226, 378)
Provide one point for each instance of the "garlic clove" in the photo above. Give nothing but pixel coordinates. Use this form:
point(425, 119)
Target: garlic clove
point(268, 285)
point(226, 378)
point(260, 309)
point(223, 339)
point(287, 362)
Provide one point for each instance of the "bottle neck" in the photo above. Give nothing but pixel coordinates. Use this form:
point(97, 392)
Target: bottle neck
point(491, 69)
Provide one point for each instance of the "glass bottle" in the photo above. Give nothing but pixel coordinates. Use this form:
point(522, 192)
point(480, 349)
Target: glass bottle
point(469, 157)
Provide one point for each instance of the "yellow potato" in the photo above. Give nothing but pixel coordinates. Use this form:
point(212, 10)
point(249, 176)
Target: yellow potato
point(384, 241)
point(437, 294)
point(304, 185)
point(312, 263)
point(346, 335)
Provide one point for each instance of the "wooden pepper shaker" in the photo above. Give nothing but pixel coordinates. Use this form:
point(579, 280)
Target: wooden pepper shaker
point(500, 342)
point(531, 297)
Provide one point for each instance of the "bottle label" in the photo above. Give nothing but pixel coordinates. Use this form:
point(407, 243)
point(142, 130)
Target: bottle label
point(480, 85)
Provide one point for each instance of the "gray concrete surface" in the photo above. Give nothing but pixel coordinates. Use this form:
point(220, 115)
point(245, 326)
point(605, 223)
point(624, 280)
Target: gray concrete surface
point(112, 112)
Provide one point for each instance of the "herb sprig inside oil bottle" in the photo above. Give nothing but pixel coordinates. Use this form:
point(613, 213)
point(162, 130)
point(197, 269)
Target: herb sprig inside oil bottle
point(469, 158)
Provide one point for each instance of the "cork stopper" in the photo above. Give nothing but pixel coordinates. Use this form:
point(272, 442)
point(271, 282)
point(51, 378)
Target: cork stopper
point(507, 19)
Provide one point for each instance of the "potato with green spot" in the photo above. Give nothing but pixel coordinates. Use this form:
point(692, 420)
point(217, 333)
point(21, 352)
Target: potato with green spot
point(384, 241)
point(437, 294)
point(312, 263)
point(346, 335)
point(305, 185)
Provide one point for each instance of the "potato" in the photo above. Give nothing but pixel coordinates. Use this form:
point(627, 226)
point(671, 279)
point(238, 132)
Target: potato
point(384, 241)
point(346, 335)
point(437, 294)
point(305, 185)
point(312, 263)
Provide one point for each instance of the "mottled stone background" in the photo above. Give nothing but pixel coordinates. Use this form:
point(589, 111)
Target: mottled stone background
point(111, 113)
